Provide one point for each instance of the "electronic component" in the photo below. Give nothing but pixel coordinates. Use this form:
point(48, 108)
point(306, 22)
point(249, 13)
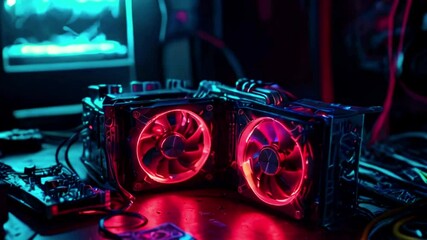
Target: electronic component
point(151, 137)
point(297, 156)
point(52, 191)
point(20, 141)
point(394, 170)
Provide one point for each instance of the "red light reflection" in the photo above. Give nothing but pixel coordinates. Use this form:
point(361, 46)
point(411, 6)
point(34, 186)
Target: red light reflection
point(216, 214)
point(257, 226)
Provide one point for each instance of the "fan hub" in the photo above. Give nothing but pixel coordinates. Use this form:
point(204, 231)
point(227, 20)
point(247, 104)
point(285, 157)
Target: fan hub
point(269, 160)
point(172, 146)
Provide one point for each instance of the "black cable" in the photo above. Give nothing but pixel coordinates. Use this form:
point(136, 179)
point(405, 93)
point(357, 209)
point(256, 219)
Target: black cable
point(113, 173)
point(69, 167)
point(390, 216)
point(112, 185)
point(72, 140)
point(105, 229)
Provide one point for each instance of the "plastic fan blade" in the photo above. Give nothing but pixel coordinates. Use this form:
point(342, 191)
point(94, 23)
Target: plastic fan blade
point(163, 121)
point(253, 149)
point(180, 121)
point(195, 138)
point(190, 128)
point(176, 167)
point(264, 183)
point(257, 171)
point(147, 140)
point(162, 168)
point(288, 180)
point(259, 136)
point(276, 189)
point(152, 158)
point(191, 156)
point(292, 160)
point(270, 134)
point(283, 138)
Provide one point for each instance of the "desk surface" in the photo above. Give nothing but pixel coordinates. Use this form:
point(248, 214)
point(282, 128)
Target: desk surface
point(203, 213)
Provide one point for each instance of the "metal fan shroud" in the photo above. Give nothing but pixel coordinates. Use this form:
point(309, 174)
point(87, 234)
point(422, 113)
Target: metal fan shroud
point(271, 161)
point(173, 146)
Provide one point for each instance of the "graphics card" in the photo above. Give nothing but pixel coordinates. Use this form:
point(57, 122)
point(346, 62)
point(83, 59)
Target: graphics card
point(297, 156)
point(152, 137)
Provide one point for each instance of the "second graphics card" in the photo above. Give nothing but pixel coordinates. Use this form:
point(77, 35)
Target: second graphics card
point(297, 156)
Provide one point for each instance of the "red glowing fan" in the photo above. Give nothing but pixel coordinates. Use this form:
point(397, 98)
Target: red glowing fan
point(173, 146)
point(271, 161)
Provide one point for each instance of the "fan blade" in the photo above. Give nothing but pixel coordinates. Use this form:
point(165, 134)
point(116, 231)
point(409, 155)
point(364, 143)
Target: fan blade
point(253, 149)
point(269, 132)
point(191, 156)
point(264, 184)
point(259, 136)
point(288, 180)
point(191, 127)
point(293, 160)
point(276, 190)
point(164, 122)
point(195, 138)
point(152, 158)
point(283, 137)
point(163, 168)
point(287, 147)
point(146, 143)
point(158, 129)
point(176, 167)
point(180, 121)
point(147, 140)
point(257, 170)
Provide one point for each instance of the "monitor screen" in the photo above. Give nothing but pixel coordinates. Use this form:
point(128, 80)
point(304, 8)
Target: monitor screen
point(49, 35)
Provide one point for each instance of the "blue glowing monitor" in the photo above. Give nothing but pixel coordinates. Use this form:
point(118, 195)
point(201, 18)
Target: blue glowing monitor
point(49, 35)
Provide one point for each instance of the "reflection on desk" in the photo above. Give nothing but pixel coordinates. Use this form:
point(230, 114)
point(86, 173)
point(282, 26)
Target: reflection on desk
point(203, 213)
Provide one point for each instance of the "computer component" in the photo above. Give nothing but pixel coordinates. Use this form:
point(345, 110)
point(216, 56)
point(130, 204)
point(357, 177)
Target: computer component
point(151, 137)
point(393, 171)
point(52, 191)
point(20, 141)
point(299, 157)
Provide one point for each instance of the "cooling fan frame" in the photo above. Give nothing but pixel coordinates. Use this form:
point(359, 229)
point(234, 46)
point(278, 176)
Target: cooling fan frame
point(130, 121)
point(115, 119)
point(269, 155)
point(169, 141)
point(329, 139)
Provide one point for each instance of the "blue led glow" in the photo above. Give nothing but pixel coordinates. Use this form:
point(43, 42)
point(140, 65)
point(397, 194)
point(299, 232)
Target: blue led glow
point(10, 3)
point(76, 34)
point(23, 8)
point(46, 50)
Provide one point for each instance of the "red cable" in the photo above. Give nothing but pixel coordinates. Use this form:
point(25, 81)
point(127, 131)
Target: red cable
point(218, 43)
point(326, 81)
point(412, 94)
point(380, 128)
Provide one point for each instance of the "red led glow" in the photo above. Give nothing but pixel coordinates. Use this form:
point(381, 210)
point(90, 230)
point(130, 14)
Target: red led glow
point(260, 226)
point(271, 161)
point(173, 146)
